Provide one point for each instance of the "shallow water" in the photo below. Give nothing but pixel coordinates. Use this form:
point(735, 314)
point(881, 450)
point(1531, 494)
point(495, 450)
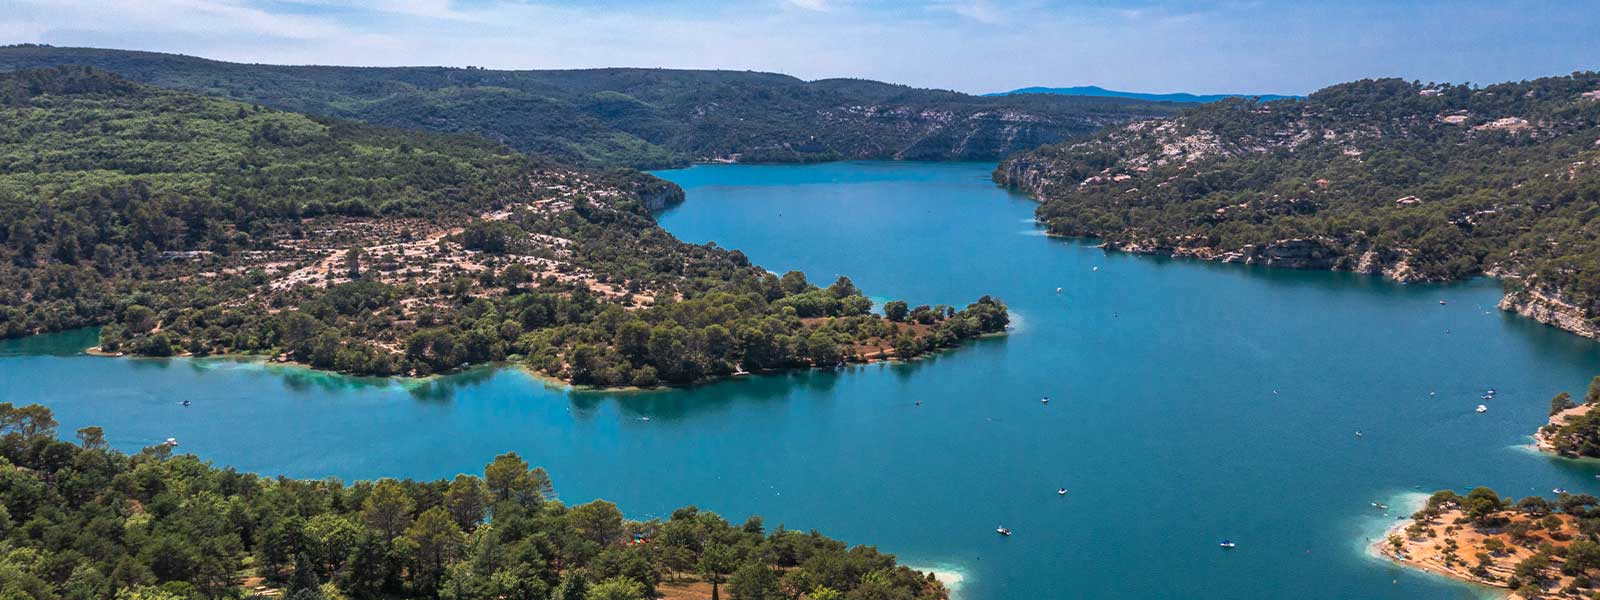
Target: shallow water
point(1190, 402)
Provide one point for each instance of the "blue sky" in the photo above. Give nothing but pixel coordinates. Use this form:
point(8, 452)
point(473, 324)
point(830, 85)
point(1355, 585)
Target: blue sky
point(969, 45)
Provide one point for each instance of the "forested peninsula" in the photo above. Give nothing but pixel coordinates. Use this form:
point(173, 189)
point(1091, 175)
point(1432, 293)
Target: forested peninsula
point(1418, 182)
point(644, 118)
point(192, 225)
point(86, 522)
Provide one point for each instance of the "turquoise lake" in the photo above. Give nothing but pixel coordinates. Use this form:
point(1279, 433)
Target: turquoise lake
point(1191, 402)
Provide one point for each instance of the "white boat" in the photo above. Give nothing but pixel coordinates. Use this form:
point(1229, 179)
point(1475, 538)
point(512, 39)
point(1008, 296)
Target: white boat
point(1380, 506)
point(1061, 492)
point(1045, 400)
point(171, 442)
point(1227, 544)
point(1058, 290)
point(1559, 491)
point(1002, 531)
point(1482, 408)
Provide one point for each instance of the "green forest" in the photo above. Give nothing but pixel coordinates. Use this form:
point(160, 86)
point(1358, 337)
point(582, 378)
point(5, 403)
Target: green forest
point(1420, 181)
point(181, 223)
point(82, 521)
point(646, 118)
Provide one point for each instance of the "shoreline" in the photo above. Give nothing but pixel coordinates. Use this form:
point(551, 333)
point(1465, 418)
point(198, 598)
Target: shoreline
point(1532, 305)
point(1446, 543)
point(546, 379)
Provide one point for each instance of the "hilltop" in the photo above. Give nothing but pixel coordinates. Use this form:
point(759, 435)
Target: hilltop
point(643, 118)
point(1097, 91)
point(1417, 182)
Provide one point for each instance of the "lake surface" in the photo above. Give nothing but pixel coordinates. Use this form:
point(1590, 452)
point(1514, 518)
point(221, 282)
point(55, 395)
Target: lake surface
point(1191, 402)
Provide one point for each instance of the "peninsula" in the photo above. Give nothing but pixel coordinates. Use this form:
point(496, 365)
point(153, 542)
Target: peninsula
point(191, 225)
point(1532, 546)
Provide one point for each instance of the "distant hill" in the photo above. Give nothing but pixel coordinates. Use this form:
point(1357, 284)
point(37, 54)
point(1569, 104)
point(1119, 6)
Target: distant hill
point(1100, 92)
point(636, 117)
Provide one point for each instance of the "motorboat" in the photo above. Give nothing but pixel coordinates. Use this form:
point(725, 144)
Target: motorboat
point(1482, 408)
point(1227, 544)
point(1002, 531)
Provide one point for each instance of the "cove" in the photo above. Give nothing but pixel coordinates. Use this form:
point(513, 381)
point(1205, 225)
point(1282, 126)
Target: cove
point(1191, 402)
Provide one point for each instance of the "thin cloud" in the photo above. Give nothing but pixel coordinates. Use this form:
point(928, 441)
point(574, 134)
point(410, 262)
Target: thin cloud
point(812, 5)
point(976, 10)
point(210, 17)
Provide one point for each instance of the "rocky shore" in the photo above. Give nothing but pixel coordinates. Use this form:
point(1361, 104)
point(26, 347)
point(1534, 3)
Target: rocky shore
point(1315, 253)
point(1546, 306)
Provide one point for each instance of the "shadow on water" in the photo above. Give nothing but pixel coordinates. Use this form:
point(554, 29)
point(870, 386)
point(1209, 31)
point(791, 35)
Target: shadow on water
point(717, 397)
point(65, 343)
point(441, 390)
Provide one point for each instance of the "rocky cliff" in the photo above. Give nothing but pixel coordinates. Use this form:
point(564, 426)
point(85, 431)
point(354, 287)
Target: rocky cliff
point(1547, 306)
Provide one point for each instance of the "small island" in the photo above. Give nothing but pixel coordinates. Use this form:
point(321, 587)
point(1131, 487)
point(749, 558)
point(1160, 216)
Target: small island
point(1533, 546)
point(1574, 429)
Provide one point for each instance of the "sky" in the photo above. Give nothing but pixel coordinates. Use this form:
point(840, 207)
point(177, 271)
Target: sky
point(977, 46)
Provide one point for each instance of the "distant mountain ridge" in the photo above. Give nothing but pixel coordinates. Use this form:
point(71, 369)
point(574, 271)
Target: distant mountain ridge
point(1100, 92)
point(635, 117)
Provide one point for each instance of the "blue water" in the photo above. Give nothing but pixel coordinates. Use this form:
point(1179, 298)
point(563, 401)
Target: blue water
point(1191, 402)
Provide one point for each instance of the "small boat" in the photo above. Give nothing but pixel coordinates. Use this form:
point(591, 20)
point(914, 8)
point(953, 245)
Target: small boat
point(1227, 544)
point(1058, 290)
point(1380, 506)
point(1045, 400)
point(1441, 303)
point(1002, 531)
point(1559, 491)
point(1061, 492)
point(1359, 434)
point(184, 403)
point(1482, 408)
point(171, 442)
point(645, 419)
point(1096, 268)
